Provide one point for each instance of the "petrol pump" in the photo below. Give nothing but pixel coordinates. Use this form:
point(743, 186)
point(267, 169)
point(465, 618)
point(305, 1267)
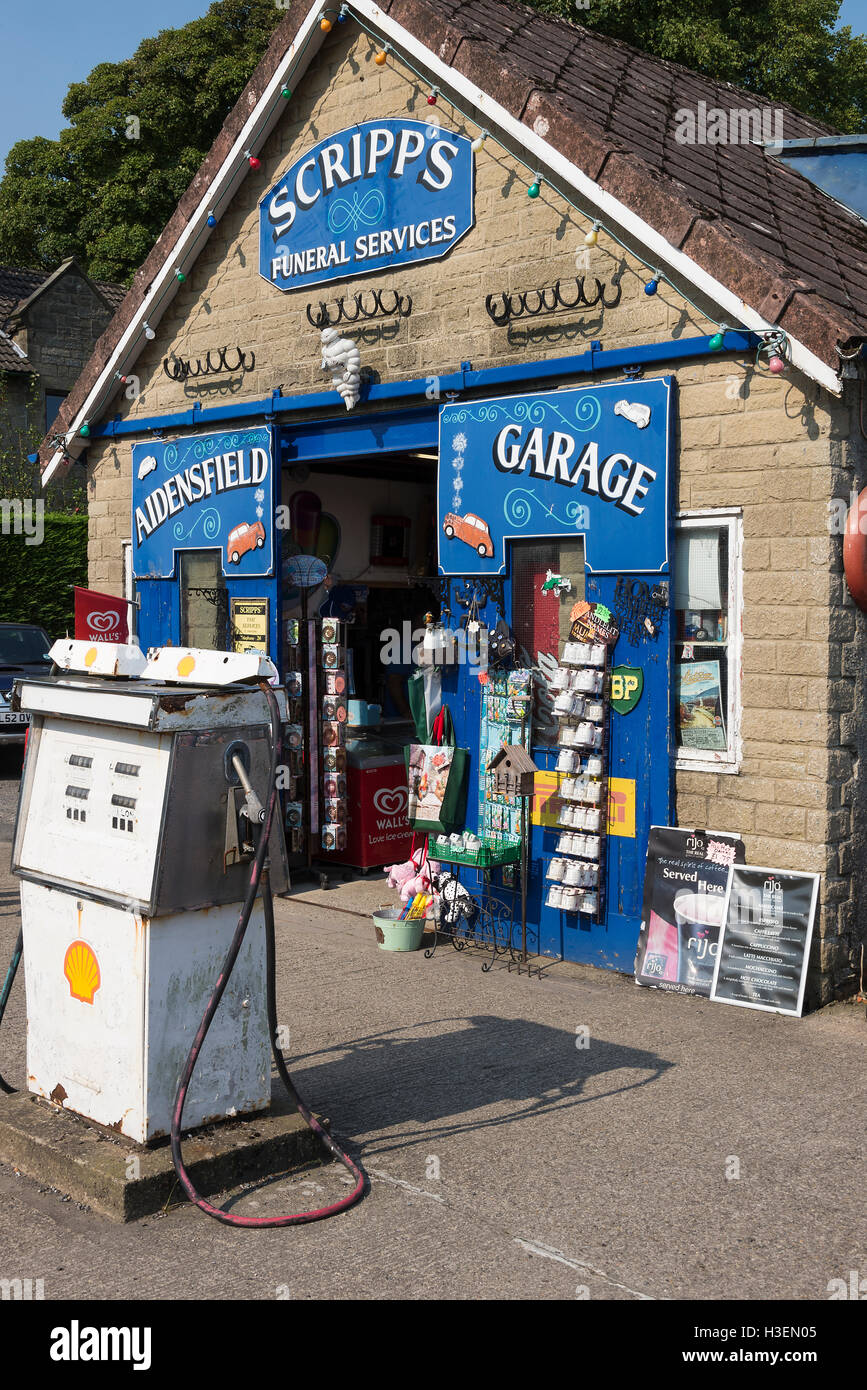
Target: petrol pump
point(147, 845)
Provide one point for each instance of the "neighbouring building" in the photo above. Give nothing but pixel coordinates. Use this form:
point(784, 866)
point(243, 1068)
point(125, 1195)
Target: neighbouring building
point(596, 346)
point(49, 325)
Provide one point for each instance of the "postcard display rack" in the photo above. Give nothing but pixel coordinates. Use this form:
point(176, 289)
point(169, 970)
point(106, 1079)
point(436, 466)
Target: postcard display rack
point(316, 803)
point(500, 846)
point(576, 872)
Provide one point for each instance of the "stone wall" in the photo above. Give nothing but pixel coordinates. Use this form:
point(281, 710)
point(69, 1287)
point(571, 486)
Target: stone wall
point(773, 447)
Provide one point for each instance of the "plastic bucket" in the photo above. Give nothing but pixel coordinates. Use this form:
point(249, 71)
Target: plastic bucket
point(393, 935)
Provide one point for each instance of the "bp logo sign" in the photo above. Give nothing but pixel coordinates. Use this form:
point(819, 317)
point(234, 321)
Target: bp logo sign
point(627, 683)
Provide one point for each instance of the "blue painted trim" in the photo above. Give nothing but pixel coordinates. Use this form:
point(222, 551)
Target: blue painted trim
point(529, 374)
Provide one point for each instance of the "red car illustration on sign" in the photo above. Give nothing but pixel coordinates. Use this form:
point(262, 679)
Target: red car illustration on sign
point(471, 530)
point(247, 536)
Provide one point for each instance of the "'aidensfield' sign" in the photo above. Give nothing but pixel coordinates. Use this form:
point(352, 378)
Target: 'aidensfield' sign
point(381, 194)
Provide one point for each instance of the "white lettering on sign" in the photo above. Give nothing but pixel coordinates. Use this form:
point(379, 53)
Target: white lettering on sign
point(618, 479)
point(327, 170)
point(204, 478)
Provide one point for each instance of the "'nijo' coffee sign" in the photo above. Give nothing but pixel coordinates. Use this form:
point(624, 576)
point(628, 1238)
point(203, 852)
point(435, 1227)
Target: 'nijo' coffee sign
point(383, 193)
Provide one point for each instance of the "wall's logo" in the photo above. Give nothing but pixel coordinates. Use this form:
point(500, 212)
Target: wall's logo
point(391, 801)
point(81, 969)
point(101, 623)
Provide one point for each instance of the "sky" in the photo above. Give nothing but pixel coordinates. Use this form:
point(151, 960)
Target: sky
point(47, 44)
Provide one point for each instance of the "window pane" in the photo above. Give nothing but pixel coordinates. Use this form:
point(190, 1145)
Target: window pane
point(702, 641)
point(204, 601)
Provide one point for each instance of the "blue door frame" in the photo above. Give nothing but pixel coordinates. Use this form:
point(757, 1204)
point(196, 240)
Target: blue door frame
point(639, 740)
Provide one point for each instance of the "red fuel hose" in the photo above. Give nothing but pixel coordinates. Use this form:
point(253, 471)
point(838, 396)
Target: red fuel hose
point(259, 878)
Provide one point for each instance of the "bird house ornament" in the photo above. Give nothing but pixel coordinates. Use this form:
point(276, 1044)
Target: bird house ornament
point(513, 771)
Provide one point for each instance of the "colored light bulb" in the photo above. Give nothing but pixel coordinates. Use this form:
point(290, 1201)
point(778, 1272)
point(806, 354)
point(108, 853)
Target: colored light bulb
point(286, 91)
point(776, 365)
point(432, 99)
point(592, 236)
point(479, 143)
point(535, 187)
point(149, 333)
point(380, 58)
point(212, 221)
point(180, 276)
point(715, 343)
point(325, 24)
point(85, 430)
point(651, 287)
point(254, 162)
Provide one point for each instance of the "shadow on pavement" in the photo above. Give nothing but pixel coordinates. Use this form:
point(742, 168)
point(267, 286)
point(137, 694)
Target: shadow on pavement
point(394, 1078)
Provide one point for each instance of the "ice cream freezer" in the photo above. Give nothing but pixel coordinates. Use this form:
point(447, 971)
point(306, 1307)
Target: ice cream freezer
point(377, 830)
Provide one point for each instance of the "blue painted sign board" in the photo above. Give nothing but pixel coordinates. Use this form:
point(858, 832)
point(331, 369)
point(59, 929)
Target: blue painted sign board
point(593, 461)
point(204, 492)
point(378, 195)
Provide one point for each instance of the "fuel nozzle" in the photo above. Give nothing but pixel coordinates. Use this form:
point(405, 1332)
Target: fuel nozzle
point(252, 808)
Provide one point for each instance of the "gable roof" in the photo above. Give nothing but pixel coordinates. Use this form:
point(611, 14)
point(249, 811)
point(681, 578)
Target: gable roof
point(19, 287)
point(599, 117)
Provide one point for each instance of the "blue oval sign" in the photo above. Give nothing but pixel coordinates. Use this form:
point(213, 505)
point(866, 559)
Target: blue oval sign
point(381, 194)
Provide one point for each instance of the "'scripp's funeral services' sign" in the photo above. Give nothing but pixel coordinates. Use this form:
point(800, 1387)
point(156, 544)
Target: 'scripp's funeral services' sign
point(204, 492)
point(765, 939)
point(381, 194)
point(591, 462)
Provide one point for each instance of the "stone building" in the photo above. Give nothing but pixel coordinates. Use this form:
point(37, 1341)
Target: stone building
point(708, 263)
point(49, 325)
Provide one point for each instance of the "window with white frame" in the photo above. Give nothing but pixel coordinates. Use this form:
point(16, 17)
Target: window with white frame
point(707, 640)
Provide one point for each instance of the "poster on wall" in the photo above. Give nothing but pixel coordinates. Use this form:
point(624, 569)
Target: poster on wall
point(700, 721)
point(249, 620)
point(684, 902)
point(377, 195)
point(765, 939)
point(204, 492)
point(592, 462)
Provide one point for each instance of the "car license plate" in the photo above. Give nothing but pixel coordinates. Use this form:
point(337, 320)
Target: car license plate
point(7, 717)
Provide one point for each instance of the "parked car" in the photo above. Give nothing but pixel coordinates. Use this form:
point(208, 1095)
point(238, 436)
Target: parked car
point(247, 536)
point(471, 530)
point(24, 651)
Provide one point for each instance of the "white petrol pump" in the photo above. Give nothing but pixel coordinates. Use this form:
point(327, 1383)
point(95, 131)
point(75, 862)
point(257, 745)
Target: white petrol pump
point(133, 852)
point(147, 845)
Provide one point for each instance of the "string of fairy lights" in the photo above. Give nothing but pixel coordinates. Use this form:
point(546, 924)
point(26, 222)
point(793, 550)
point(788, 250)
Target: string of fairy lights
point(773, 342)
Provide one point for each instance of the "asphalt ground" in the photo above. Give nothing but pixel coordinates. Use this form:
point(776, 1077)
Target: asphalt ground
point(690, 1151)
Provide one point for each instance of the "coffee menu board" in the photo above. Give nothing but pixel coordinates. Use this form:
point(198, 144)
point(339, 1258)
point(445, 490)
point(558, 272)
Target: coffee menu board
point(765, 940)
point(684, 903)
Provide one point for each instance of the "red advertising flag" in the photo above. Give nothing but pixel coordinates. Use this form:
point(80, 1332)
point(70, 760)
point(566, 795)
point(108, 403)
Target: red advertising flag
point(100, 617)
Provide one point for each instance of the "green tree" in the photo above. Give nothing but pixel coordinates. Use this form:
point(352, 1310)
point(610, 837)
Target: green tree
point(138, 131)
point(785, 50)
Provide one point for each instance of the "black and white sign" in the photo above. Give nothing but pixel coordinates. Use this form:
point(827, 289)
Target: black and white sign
point(684, 897)
point(765, 939)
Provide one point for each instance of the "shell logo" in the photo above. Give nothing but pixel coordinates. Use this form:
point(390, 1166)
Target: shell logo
point(185, 665)
point(81, 969)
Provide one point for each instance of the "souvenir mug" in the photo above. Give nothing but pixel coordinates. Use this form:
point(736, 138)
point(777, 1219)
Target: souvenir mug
point(591, 847)
point(570, 899)
point(590, 904)
point(597, 654)
point(593, 709)
point(594, 766)
point(592, 818)
point(555, 896)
